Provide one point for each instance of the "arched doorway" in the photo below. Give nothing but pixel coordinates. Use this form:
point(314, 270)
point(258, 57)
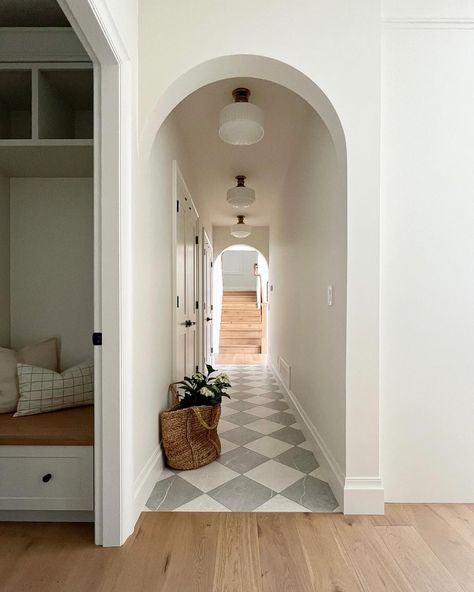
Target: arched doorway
point(360, 456)
point(244, 276)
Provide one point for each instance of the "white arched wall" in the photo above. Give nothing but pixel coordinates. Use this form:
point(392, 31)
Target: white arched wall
point(258, 240)
point(358, 485)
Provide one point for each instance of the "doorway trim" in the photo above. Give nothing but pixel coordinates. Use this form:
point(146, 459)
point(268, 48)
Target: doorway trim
point(113, 124)
point(202, 297)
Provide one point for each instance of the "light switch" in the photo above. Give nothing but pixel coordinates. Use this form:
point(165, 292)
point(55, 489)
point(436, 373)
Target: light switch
point(329, 295)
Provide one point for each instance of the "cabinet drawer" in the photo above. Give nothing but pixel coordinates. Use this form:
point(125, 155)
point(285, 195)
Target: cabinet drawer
point(46, 478)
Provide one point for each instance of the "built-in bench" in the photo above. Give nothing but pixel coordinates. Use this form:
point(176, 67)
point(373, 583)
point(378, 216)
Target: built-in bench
point(46, 465)
point(69, 427)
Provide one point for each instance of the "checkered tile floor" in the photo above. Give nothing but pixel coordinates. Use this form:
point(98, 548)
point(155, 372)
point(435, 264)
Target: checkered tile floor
point(265, 466)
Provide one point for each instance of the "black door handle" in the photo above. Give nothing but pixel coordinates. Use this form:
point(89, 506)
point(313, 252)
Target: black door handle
point(187, 323)
point(208, 319)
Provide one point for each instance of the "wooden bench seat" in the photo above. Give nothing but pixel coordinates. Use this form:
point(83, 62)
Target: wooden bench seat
point(68, 427)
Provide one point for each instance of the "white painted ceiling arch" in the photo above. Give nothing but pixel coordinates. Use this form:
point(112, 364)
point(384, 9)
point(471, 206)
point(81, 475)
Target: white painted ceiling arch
point(240, 247)
point(235, 66)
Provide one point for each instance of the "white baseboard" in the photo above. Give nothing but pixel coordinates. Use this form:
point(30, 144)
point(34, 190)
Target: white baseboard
point(363, 496)
point(146, 480)
point(355, 495)
point(330, 467)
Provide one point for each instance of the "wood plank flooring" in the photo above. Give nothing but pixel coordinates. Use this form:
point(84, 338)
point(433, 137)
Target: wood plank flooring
point(413, 548)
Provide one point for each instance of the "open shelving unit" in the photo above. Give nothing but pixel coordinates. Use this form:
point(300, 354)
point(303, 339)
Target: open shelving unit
point(15, 104)
point(46, 119)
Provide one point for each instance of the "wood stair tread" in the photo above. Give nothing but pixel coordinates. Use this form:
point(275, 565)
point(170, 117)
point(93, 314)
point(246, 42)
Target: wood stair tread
point(241, 324)
point(235, 349)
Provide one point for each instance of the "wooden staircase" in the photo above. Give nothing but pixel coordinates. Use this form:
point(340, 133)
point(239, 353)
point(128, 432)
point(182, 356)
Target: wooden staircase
point(241, 324)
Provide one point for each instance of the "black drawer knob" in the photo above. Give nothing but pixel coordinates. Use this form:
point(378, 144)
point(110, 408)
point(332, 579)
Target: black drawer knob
point(47, 477)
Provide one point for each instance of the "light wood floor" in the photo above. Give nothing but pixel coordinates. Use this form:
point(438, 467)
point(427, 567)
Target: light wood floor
point(413, 548)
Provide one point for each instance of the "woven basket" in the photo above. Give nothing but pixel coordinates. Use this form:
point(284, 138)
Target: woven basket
point(189, 436)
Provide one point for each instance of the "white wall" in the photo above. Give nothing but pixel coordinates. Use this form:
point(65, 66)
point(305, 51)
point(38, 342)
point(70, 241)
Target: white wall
point(4, 261)
point(152, 285)
point(427, 282)
point(259, 240)
point(238, 270)
point(52, 264)
point(308, 253)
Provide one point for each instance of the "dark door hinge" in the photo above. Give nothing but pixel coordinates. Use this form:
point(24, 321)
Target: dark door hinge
point(96, 338)
point(212, 307)
point(212, 350)
point(177, 301)
point(177, 205)
point(197, 240)
point(197, 304)
point(197, 368)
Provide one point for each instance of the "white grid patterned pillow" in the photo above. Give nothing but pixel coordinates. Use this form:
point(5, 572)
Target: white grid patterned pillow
point(43, 390)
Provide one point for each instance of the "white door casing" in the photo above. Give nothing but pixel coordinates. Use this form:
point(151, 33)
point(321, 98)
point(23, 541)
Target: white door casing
point(207, 304)
point(113, 122)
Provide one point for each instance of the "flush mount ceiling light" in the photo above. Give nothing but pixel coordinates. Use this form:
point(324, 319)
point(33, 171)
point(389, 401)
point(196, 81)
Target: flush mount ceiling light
point(241, 122)
point(240, 196)
point(240, 230)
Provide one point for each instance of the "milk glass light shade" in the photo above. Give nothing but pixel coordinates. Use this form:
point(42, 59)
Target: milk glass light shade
point(241, 122)
point(240, 196)
point(240, 230)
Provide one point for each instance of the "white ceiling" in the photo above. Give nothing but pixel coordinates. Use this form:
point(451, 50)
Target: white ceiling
point(216, 163)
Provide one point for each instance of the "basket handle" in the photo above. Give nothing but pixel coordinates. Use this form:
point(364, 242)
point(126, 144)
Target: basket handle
point(203, 423)
point(173, 397)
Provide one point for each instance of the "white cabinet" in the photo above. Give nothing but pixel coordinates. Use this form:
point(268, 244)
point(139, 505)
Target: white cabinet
point(46, 478)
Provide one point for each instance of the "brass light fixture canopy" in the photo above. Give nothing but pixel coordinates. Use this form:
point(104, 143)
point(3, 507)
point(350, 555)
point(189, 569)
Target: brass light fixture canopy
point(241, 95)
point(240, 196)
point(241, 122)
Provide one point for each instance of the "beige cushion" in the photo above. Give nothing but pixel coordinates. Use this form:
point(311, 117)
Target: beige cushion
point(44, 355)
point(43, 390)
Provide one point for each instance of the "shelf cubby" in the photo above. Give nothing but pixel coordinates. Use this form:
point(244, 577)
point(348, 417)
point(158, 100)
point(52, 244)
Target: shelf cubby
point(15, 104)
point(65, 103)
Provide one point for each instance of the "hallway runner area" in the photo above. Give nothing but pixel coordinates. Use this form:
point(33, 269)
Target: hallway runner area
point(266, 465)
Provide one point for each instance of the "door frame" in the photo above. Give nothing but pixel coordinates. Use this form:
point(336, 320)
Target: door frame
point(113, 123)
point(205, 237)
point(177, 174)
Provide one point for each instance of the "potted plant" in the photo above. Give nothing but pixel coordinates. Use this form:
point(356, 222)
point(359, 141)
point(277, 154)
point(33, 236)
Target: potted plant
point(189, 427)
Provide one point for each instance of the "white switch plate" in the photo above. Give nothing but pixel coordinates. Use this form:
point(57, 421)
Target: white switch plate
point(329, 295)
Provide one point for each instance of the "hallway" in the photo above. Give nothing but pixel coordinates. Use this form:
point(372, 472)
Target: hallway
point(266, 464)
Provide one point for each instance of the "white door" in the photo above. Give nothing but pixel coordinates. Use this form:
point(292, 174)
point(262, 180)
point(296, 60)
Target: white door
point(186, 357)
point(207, 308)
